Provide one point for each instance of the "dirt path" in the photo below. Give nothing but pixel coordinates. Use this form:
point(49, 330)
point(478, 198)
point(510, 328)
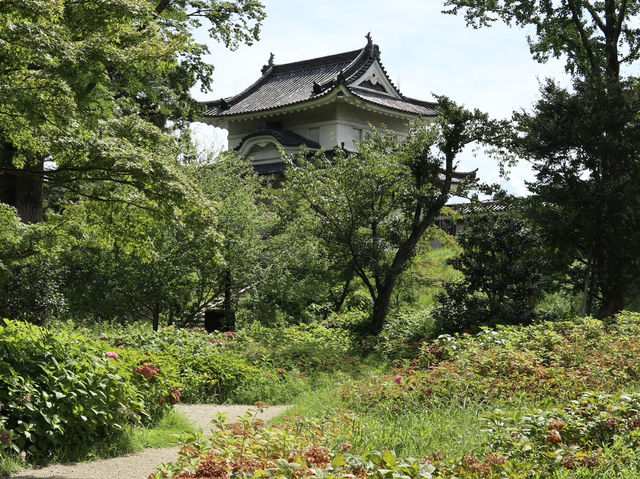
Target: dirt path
point(141, 464)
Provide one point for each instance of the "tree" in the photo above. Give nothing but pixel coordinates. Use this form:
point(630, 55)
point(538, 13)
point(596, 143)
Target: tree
point(92, 89)
point(375, 205)
point(28, 281)
point(122, 263)
point(503, 264)
point(583, 143)
point(232, 183)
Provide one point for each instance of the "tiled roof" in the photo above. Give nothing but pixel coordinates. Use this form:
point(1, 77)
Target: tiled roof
point(269, 168)
point(284, 137)
point(482, 207)
point(309, 80)
point(405, 104)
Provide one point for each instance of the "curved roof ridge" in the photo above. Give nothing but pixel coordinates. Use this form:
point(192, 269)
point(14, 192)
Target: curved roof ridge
point(275, 69)
point(315, 62)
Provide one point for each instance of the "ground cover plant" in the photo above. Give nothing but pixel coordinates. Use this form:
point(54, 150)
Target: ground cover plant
point(555, 399)
point(549, 361)
point(256, 363)
point(68, 390)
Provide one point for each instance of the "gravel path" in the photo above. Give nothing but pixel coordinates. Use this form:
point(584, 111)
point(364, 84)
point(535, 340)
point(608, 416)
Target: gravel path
point(141, 464)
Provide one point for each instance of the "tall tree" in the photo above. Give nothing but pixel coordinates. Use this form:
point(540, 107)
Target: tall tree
point(232, 183)
point(123, 263)
point(375, 205)
point(89, 89)
point(583, 142)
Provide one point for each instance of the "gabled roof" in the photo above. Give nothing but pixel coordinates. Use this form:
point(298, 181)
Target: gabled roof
point(284, 137)
point(308, 81)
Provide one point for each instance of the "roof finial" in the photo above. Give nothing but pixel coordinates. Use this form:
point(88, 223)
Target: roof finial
point(369, 39)
point(268, 65)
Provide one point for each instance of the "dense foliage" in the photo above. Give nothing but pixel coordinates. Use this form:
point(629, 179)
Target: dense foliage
point(562, 402)
point(583, 142)
point(549, 361)
point(95, 89)
point(62, 389)
point(503, 265)
point(65, 387)
point(373, 207)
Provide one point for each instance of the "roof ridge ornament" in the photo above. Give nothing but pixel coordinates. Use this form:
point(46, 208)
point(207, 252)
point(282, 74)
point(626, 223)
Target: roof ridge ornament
point(268, 65)
point(372, 49)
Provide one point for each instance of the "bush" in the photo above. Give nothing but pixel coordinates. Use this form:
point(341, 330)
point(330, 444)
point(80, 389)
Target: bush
point(551, 361)
point(355, 321)
point(306, 347)
point(62, 389)
point(256, 363)
point(404, 332)
point(503, 265)
point(209, 366)
point(572, 436)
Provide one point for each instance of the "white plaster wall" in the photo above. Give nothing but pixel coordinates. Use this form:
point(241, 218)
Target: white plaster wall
point(337, 123)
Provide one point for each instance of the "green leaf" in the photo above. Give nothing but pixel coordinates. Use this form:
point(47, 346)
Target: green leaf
point(389, 458)
point(338, 461)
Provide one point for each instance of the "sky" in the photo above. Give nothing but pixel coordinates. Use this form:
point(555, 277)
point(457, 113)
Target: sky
point(424, 51)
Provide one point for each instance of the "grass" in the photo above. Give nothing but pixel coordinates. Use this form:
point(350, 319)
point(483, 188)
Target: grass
point(133, 439)
point(165, 433)
point(9, 466)
point(450, 428)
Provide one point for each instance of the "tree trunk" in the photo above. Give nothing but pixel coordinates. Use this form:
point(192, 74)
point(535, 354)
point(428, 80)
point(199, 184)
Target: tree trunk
point(21, 190)
point(229, 315)
point(156, 316)
point(382, 303)
point(585, 297)
point(612, 301)
point(345, 291)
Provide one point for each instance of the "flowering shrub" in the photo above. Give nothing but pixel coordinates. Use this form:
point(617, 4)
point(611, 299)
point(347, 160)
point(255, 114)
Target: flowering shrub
point(572, 436)
point(148, 371)
point(60, 389)
point(209, 367)
point(549, 361)
point(248, 448)
point(245, 365)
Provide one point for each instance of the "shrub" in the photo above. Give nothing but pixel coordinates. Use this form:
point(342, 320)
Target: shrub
point(355, 321)
point(404, 332)
point(61, 389)
point(503, 267)
point(256, 363)
point(209, 366)
point(306, 347)
point(551, 361)
point(571, 436)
